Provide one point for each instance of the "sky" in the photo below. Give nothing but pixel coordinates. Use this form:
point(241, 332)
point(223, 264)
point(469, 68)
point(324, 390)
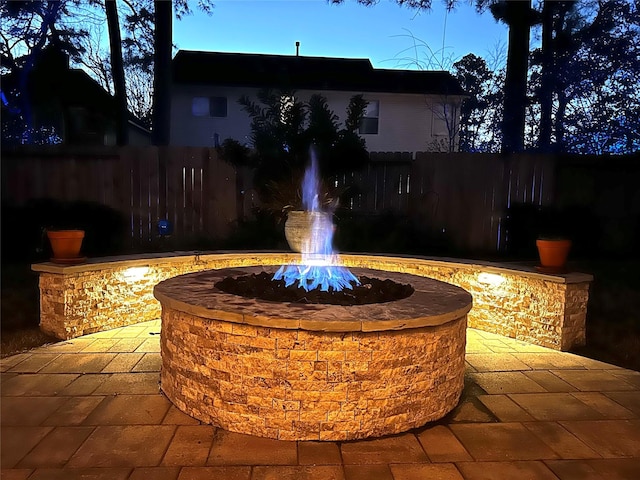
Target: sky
point(384, 33)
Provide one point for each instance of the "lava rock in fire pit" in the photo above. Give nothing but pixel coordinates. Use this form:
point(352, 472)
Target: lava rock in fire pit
point(262, 286)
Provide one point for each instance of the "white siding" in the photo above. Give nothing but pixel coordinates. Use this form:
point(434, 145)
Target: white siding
point(405, 120)
point(189, 130)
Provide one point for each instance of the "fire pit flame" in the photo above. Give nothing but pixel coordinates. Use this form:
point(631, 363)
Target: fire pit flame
point(319, 267)
point(311, 277)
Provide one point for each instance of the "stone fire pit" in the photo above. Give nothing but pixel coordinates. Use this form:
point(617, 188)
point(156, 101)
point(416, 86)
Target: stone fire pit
point(312, 372)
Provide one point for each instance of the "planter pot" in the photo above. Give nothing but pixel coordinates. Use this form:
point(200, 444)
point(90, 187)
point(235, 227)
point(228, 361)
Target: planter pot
point(301, 225)
point(553, 254)
point(66, 245)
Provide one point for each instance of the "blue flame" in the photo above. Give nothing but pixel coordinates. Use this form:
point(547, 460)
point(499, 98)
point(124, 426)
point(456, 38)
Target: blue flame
point(311, 187)
point(310, 277)
point(319, 267)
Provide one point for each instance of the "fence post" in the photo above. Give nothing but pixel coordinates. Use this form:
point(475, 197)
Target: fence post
point(163, 156)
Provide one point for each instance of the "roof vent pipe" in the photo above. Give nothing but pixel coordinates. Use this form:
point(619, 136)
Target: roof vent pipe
point(297, 49)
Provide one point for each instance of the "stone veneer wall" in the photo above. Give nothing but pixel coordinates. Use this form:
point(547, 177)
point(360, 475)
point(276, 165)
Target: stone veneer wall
point(546, 310)
point(306, 385)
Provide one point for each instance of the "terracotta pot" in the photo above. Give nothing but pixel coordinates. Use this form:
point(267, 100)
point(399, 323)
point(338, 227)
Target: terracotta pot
point(66, 244)
point(299, 227)
point(553, 253)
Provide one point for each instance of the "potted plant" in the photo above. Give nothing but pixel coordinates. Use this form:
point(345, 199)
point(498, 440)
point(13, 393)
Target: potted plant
point(286, 203)
point(66, 245)
point(553, 243)
point(553, 253)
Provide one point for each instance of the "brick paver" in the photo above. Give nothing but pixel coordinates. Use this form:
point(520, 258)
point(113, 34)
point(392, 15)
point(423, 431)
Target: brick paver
point(155, 473)
point(560, 440)
point(501, 441)
point(190, 446)
point(129, 410)
point(555, 406)
point(412, 471)
point(531, 470)
point(57, 447)
point(230, 448)
point(442, 445)
point(367, 472)
point(610, 438)
point(395, 449)
point(92, 408)
point(297, 472)
point(123, 445)
point(209, 473)
point(505, 409)
point(36, 384)
point(28, 410)
point(549, 381)
point(319, 453)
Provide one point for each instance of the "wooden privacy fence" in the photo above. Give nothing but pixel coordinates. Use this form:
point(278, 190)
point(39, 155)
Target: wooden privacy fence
point(459, 196)
point(464, 198)
point(189, 187)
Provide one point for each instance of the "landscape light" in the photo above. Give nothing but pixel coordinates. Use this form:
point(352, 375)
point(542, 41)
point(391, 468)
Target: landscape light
point(492, 279)
point(133, 274)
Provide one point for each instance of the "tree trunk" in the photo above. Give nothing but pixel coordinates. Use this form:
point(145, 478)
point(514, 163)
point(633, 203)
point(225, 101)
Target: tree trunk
point(117, 71)
point(161, 116)
point(515, 89)
point(546, 82)
point(162, 72)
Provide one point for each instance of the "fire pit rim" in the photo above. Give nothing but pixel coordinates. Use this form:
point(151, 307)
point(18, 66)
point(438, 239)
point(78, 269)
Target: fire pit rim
point(217, 305)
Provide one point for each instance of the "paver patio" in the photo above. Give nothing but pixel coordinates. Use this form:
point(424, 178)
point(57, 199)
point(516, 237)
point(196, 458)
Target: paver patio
point(91, 408)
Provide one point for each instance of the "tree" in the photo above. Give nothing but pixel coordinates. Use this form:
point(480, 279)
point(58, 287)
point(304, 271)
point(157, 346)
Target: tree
point(96, 59)
point(149, 42)
point(552, 19)
point(480, 114)
point(140, 94)
point(603, 108)
point(117, 71)
point(29, 27)
point(283, 129)
point(517, 14)
point(162, 72)
point(592, 105)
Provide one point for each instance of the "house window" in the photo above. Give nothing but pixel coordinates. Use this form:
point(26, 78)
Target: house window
point(218, 106)
point(200, 106)
point(369, 123)
point(209, 106)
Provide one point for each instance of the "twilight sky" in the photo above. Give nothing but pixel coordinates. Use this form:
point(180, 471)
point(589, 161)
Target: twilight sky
point(382, 33)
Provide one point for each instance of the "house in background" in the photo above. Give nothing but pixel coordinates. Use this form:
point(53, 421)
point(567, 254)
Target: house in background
point(68, 103)
point(408, 110)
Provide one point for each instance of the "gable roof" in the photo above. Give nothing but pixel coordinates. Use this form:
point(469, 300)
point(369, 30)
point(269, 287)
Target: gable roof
point(308, 73)
point(52, 79)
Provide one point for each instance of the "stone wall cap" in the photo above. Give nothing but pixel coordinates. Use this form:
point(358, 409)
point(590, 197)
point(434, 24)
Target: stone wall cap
point(433, 303)
point(273, 257)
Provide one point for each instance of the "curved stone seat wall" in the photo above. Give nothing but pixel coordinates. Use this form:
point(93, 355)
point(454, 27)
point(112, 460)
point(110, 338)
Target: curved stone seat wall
point(515, 301)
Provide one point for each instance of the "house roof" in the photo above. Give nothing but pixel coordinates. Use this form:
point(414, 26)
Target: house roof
point(306, 73)
point(52, 78)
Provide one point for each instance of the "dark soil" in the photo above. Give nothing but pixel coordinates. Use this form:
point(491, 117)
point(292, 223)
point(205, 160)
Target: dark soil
point(613, 313)
point(20, 313)
point(262, 286)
